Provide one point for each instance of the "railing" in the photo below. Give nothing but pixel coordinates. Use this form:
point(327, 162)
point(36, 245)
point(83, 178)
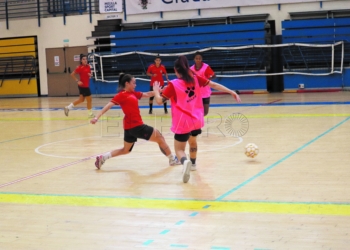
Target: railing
point(28, 9)
point(17, 67)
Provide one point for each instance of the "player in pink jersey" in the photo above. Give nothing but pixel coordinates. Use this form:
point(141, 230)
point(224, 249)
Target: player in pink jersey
point(134, 127)
point(84, 72)
point(202, 69)
point(187, 110)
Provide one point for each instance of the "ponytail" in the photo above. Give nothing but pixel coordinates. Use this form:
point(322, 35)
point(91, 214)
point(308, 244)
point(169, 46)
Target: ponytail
point(182, 67)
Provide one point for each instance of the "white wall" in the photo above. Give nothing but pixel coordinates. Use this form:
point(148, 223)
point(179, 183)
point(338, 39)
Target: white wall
point(52, 31)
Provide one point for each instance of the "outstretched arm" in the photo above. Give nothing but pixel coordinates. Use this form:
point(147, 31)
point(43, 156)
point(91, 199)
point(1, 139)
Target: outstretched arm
point(220, 87)
point(156, 89)
point(148, 94)
point(104, 110)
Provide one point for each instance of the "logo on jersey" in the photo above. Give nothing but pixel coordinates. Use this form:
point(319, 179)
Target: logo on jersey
point(191, 94)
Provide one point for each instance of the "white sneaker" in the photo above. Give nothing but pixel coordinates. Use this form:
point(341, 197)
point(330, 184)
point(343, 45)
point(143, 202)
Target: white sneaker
point(91, 115)
point(193, 167)
point(174, 162)
point(66, 110)
point(186, 171)
point(99, 161)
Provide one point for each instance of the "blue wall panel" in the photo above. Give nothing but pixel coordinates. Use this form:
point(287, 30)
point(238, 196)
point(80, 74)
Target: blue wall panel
point(310, 82)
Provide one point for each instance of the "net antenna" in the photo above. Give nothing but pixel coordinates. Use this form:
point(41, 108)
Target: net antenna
point(239, 61)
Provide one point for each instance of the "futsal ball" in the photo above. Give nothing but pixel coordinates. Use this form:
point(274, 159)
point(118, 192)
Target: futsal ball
point(251, 150)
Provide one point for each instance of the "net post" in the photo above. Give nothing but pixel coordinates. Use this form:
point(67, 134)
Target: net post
point(102, 75)
point(332, 71)
point(342, 57)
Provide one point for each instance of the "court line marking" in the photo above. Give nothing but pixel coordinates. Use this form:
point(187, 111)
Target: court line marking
point(30, 136)
point(279, 161)
point(195, 206)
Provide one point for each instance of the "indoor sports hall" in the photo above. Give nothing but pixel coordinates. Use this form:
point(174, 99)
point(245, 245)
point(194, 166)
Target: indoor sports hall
point(288, 61)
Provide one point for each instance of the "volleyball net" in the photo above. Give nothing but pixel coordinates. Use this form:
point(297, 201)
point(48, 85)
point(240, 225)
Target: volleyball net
point(239, 61)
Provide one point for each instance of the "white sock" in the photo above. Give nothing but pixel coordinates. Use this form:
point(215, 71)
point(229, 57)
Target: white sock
point(171, 157)
point(90, 112)
point(107, 156)
point(70, 106)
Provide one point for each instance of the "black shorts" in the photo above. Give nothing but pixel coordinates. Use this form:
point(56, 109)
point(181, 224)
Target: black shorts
point(206, 100)
point(185, 137)
point(84, 91)
point(143, 132)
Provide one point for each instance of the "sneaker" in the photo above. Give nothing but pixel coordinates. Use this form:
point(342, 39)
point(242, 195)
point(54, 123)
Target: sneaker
point(165, 111)
point(186, 171)
point(99, 161)
point(66, 111)
point(174, 162)
point(150, 111)
point(91, 115)
point(193, 167)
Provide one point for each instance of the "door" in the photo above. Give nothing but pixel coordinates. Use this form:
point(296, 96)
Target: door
point(61, 62)
point(72, 61)
point(57, 81)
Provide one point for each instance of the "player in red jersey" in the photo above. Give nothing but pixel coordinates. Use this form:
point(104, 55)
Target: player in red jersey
point(134, 128)
point(156, 72)
point(84, 72)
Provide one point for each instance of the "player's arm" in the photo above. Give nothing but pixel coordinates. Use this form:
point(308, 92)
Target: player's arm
point(148, 94)
point(156, 89)
point(149, 73)
point(74, 77)
point(222, 88)
point(104, 110)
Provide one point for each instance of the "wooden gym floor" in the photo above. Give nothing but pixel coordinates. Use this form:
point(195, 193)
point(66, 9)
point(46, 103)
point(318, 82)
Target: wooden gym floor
point(294, 195)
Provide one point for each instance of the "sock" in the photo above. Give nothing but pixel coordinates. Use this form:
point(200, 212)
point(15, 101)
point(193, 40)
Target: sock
point(165, 106)
point(193, 160)
point(107, 156)
point(171, 157)
point(90, 112)
point(150, 106)
point(70, 106)
point(183, 159)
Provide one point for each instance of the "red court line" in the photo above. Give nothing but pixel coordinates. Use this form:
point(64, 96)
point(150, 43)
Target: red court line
point(45, 172)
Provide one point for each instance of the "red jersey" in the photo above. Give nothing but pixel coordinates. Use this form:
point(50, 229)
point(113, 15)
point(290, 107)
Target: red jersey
point(169, 91)
point(83, 72)
point(159, 71)
point(208, 71)
point(129, 102)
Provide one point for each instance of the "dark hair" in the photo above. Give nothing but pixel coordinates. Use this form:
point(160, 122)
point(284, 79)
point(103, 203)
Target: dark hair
point(182, 67)
point(157, 58)
point(197, 54)
point(82, 56)
point(123, 78)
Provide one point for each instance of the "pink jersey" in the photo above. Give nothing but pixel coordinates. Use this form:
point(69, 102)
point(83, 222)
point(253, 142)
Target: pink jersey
point(187, 109)
point(205, 91)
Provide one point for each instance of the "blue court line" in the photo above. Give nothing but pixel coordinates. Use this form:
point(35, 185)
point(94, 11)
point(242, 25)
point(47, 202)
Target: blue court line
point(211, 105)
point(220, 248)
point(180, 222)
point(193, 214)
point(206, 206)
point(30, 136)
point(165, 231)
point(146, 243)
point(178, 245)
point(278, 162)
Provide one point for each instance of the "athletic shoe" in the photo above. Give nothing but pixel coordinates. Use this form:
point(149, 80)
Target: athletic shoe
point(99, 161)
point(165, 111)
point(66, 111)
point(193, 167)
point(174, 162)
point(186, 171)
point(91, 115)
point(150, 111)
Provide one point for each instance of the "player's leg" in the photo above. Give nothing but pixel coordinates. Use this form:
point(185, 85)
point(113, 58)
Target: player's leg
point(150, 101)
point(180, 146)
point(192, 141)
point(206, 103)
point(150, 134)
point(129, 141)
point(89, 105)
point(165, 108)
point(73, 104)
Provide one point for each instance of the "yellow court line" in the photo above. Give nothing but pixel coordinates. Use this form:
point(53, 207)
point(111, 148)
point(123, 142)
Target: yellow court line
point(162, 117)
point(207, 206)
